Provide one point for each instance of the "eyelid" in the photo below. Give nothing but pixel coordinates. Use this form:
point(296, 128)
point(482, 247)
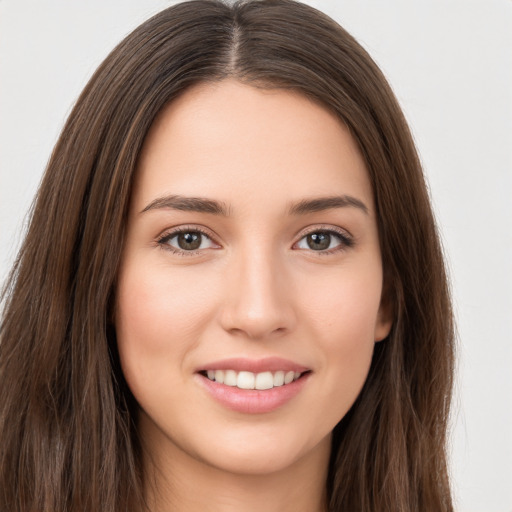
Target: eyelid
point(170, 233)
point(347, 239)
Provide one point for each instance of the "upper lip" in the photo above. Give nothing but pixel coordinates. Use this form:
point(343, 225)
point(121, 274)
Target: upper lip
point(267, 364)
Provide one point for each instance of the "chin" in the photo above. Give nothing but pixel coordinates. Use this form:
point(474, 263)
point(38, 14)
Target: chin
point(263, 455)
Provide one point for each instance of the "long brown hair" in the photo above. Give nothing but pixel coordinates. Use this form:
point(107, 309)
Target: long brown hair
point(67, 420)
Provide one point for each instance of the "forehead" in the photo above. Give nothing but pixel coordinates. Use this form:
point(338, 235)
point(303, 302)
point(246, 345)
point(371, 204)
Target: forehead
point(234, 141)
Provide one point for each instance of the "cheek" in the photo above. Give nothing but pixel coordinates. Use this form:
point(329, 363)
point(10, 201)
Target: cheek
point(345, 305)
point(343, 320)
point(158, 319)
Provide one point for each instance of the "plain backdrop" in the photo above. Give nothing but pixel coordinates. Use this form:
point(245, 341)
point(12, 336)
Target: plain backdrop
point(450, 65)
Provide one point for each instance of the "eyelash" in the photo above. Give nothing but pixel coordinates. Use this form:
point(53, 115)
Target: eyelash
point(346, 240)
point(163, 240)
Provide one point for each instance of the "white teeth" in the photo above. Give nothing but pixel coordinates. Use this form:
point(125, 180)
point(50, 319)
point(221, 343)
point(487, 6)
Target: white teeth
point(245, 380)
point(289, 377)
point(219, 376)
point(264, 380)
point(230, 378)
point(249, 380)
point(278, 378)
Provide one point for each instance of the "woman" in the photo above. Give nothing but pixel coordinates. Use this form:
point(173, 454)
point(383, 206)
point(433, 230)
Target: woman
point(231, 294)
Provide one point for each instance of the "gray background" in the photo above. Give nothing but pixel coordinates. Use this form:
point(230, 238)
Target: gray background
point(450, 65)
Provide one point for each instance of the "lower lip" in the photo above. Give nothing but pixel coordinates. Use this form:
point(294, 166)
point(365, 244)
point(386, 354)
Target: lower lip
point(253, 401)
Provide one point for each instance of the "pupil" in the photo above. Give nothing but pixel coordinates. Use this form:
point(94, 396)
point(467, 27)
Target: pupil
point(319, 241)
point(189, 241)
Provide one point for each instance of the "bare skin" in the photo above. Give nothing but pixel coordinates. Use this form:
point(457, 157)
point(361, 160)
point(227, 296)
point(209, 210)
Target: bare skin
point(251, 238)
point(294, 489)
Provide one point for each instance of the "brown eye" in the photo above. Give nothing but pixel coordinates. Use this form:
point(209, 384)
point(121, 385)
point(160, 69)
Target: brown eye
point(318, 241)
point(189, 241)
point(324, 241)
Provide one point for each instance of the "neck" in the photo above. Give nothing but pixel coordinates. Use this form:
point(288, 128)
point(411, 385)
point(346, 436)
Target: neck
point(177, 482)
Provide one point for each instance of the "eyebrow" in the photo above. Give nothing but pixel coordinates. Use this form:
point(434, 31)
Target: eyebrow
point(188, 204)
point(204, 205)
point(319, 204)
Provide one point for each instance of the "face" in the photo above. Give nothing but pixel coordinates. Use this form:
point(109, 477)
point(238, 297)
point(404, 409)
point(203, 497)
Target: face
point(249, 294)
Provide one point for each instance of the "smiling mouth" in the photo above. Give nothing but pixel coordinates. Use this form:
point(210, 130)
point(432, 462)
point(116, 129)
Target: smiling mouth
point(249, 380)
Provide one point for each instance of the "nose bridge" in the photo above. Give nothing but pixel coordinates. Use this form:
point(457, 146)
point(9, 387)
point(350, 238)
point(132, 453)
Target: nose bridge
point(259, 302)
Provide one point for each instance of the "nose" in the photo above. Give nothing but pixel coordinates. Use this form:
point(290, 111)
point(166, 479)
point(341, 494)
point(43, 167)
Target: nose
point(259, 298)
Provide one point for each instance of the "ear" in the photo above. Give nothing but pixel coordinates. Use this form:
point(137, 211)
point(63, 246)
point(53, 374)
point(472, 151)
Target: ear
point(385, 316)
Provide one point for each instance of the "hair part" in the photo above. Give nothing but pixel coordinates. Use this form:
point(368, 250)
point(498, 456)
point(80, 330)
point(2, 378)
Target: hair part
point(67, 418)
